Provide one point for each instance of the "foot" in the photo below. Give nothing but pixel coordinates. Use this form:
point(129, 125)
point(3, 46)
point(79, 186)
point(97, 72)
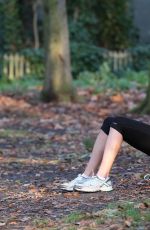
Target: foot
point(147, 177)
point(69, 186)
point(94, 184)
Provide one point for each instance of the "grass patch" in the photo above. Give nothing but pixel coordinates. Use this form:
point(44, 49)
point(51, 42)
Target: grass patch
point(128, 210)
point(74, 217)
point(100, 80)
point(124, 214)
point(43, 223)
point(88, 143)
point(20, 85)
point(13, 133)
point(104, 79)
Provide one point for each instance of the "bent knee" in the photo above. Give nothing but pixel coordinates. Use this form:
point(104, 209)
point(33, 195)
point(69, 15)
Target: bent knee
point(107, 123)
point(108, 120)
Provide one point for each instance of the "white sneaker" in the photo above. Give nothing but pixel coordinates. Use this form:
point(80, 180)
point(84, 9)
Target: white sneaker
point(94, 184)
point(147, 177)
point(69, 186)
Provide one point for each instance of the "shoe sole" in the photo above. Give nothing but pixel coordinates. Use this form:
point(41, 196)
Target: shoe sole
point(67, 189)
point(93, 190)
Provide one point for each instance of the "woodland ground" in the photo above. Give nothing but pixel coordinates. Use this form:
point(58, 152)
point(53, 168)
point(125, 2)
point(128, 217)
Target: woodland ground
point(41, 145)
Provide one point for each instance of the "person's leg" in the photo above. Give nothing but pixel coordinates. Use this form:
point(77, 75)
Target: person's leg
point(102, 182)
point(131, 131)
point(134, 132)
point(98, 149)
point(112, 148)
point(95, 159)
point(97, 154)
point(92, 165)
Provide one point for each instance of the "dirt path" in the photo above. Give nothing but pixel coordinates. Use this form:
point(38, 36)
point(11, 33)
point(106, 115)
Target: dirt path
point(43, 144)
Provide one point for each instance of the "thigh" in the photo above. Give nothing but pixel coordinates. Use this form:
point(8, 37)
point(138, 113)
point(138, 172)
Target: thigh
point(135, 133)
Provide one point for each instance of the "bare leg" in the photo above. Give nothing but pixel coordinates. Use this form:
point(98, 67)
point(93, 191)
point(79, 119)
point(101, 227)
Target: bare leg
point(97, 154)
point(112, 148)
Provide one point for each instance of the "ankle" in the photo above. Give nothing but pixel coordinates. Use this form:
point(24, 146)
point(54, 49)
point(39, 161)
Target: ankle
point(89, 173)
point(86, 175)
point(102, 177)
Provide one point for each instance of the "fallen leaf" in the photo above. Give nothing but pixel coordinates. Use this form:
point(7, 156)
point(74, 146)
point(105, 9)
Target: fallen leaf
point(117, 98)
point(128, 222)
point(71, 195)
point(87, 223)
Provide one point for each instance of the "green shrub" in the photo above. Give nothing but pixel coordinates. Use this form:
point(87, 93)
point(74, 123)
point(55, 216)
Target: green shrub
point(83, 30)
point(74, 217)
point(141, 57)
point(19, 86)
point(116, 29)
point(104, 79)
point(36, 59)
point(11, 25)
point(90, 27)
point(85, 57)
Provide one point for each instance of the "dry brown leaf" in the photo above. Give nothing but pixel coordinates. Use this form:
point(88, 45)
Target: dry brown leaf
point(71, 195)
point(118, 98)
point(143, 205)
point(128, 222)
point(104, 112)
point(13, 222)
point(87, 223)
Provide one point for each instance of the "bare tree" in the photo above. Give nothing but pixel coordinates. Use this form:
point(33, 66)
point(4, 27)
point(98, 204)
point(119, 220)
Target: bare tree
point(35, 5)
point(58, 78)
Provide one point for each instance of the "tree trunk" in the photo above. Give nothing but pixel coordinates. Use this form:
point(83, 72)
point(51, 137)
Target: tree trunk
point(144, 107)
point(58, 79)
point(35, 25)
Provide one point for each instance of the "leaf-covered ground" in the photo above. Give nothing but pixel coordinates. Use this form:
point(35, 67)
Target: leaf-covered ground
point(41, 145)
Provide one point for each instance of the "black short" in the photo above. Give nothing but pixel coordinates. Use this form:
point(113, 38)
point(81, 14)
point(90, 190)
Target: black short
point(135, 133)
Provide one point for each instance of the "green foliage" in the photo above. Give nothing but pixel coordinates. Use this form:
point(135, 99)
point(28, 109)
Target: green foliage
point(89, 143)
point(11, 25)
point(96, 24)
point(41, 223)
point(1, 26)
point(19, 86)
point(90, 27)
point(36, 59)
point(114, 214)
point(116, 29)
point(129, 210)
point(76, 216)
point(82, 21)
point(141, 57)
point(85, 57)
point(107, 23)
point(92, 24)
point(85, 53)
point(104, 79)
point(8, 133)
point(100, 80)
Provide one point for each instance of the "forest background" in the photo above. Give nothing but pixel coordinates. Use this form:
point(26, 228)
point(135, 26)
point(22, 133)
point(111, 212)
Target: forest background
point(85, 59)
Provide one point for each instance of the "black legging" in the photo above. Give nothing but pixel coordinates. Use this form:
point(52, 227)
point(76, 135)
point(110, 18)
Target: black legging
point(135, 133)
